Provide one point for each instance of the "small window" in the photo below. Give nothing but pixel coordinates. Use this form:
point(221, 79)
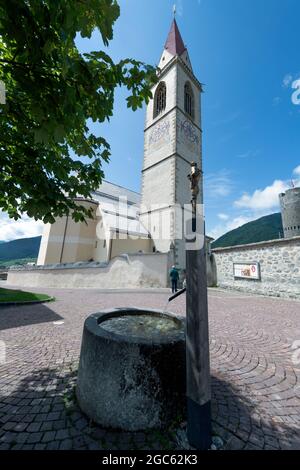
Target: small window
point(160, 99)
point(189, 100)
point(104, 244)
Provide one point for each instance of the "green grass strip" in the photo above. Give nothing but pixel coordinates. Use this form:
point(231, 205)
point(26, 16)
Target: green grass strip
point(12, 295)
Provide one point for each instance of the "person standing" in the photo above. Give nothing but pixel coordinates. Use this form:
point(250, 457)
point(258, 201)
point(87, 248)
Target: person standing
point(174, 276)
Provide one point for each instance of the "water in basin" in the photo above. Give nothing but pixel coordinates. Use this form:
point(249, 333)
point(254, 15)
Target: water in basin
point(141, 326)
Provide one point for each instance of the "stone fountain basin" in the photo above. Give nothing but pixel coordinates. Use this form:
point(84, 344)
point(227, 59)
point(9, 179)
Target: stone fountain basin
point(132, 369)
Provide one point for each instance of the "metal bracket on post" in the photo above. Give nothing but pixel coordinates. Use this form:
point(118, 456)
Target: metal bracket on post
point(197, 339)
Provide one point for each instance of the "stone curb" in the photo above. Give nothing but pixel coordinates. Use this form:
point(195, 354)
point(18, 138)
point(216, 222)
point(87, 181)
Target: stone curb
point(26, 302)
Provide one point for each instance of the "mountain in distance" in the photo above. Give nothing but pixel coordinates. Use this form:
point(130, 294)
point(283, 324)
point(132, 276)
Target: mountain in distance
point(266, 228)
point(24, 250)
point(20, 249)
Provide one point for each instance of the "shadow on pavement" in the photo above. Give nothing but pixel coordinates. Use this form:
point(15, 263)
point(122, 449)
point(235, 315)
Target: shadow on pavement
point(238, 421)
point(22, 315)
point(46, 396)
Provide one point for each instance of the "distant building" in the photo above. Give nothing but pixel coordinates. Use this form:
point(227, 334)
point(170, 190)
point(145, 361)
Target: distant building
point(290, 212)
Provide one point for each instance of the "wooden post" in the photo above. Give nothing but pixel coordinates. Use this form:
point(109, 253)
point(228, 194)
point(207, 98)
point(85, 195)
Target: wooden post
point(197, 338)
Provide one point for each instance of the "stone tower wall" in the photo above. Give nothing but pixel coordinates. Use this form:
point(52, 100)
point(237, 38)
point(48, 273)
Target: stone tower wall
point(290, 212)
point(172, 141)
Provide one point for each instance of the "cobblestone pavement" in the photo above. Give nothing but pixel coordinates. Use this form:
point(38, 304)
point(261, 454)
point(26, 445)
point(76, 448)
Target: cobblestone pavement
point(255, 381)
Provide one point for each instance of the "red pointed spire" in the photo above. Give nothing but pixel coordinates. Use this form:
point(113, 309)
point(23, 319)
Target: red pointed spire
point(175, 44)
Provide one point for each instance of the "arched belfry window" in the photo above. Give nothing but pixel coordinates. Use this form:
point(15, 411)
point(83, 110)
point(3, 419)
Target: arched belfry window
point(189, 99)
point(160, 99)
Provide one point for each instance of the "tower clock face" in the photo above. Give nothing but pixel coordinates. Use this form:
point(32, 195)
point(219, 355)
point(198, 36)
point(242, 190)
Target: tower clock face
point(160, 134)
point(188, 134)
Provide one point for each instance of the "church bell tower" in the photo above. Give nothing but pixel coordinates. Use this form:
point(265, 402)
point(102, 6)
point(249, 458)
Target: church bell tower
point(173, 139)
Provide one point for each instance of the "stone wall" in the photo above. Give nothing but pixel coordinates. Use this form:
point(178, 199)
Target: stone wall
point(279, 264)
point(125, 271)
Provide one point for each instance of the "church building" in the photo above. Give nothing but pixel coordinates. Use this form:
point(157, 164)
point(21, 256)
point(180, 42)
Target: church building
point(125, 222)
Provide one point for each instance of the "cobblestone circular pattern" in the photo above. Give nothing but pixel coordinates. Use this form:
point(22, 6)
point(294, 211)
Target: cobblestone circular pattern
point(255, 375)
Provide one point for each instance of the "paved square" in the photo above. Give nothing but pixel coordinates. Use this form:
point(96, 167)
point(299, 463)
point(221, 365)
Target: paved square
point(255, 376)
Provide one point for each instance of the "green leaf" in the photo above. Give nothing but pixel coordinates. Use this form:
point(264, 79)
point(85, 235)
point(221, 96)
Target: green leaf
point(53, 91)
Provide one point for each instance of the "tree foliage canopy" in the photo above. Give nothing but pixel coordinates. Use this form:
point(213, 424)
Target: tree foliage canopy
point(51, 91)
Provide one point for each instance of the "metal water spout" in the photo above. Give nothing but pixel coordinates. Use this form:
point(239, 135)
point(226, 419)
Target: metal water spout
point(177, 294)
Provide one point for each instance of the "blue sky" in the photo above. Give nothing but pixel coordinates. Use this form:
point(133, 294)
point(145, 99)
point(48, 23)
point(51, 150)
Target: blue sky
point(246, 53)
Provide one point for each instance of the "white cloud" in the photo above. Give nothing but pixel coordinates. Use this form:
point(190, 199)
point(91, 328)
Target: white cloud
point(216, 232)
point(245, 154)
point(287, 79)
point(218, 184)
point(25, 227)
point(252, 206)
point(263, 199)
point(297, 171)
point(238, 222)
point(223, 216)
point(249, 154)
